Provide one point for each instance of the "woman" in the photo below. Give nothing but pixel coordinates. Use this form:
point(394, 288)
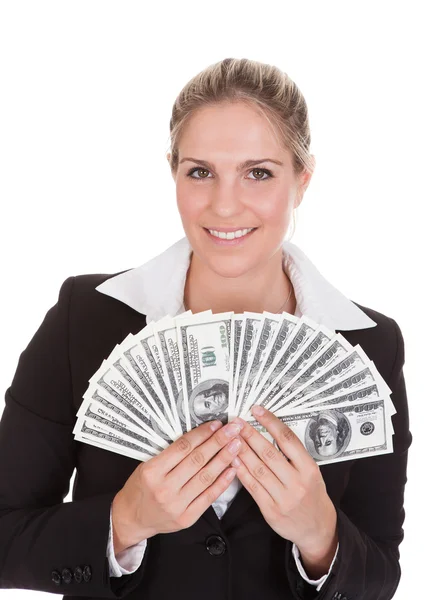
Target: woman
point(219, 513)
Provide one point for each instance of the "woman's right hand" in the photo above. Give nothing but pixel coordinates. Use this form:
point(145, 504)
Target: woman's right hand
point(170, 491)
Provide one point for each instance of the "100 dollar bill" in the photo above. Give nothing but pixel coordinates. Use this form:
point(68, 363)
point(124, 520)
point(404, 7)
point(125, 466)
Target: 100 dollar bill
point(338, 433)
point(204, 348)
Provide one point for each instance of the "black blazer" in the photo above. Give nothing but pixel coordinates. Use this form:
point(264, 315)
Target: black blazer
point(60, 547)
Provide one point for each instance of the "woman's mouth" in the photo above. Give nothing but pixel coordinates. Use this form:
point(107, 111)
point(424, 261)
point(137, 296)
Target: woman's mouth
point(232, 238)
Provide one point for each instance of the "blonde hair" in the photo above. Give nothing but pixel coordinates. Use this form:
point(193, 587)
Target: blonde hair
point(263, 87)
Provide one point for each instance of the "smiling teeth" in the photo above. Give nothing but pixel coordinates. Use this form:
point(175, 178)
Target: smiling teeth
point(231, 234)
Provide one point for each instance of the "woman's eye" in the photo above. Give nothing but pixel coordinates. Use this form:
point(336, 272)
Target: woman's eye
point(261, 171)
point(190, 173)
point(202, 170)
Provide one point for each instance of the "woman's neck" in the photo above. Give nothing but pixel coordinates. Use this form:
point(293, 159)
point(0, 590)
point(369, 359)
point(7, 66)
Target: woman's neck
point(266, 289)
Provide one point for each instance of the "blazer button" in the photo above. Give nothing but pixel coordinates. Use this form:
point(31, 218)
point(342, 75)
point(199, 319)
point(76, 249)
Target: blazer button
point(87, 574)
point(67, 575)
point(56, 577)
point(215, 545)
point(78, 574)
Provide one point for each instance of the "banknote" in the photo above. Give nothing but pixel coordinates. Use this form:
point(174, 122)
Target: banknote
point(181, 371)
point(340, 432)
point(263, 342)
point(113, 442)
point(237, 322)
point(287, 325)
point(139, 369)
point(151, 345)
point(93, 411)
point(204, 352)
point(129, 394)
point(305, 342)
point(252, 326)
point(367, 392)
point(165, 331)
point(313, 380)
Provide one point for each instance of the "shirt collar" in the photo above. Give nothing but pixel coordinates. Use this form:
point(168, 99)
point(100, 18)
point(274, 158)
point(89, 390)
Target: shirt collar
point(156, 288)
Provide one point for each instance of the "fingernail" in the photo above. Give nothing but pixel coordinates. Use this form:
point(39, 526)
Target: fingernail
point(236, 462)
point(258, 410)
point(215, 425)
point(232, 429)
point(234, 446)
point(230, 474)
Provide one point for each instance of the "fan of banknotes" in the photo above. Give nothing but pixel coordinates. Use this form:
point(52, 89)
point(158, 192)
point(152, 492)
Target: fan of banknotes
point(181, 371)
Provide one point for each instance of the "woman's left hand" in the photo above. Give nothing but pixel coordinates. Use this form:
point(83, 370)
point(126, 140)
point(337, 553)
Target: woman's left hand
point(291, 495)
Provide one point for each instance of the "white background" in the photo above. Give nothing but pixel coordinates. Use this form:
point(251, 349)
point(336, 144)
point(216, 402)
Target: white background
point(86, 95)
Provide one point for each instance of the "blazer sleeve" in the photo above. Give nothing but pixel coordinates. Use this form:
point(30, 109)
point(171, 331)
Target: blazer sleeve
point(47, 544)
point(371, 514)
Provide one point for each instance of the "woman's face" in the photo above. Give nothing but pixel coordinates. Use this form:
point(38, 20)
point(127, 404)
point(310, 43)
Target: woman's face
point(213, 191)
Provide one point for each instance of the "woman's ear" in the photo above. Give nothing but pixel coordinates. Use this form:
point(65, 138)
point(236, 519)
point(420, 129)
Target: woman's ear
point(304, 182)
point(306, 175)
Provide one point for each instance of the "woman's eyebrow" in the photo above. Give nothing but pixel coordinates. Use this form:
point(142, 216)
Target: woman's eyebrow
point(243, 165)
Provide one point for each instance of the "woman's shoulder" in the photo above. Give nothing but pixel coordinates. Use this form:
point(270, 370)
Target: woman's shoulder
point(383, 343)
point(87, 283)
point(89, 308)
point(380, 318)
point(386, 326)
point(83, 292)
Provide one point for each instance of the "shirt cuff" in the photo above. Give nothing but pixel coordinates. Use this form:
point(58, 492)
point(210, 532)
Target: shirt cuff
point(317, 582)
point(127, 561)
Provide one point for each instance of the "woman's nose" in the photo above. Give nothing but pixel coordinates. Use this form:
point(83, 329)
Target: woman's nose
point(226, 199)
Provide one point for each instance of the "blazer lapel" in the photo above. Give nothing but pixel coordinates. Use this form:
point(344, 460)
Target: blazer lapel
point(240, 504)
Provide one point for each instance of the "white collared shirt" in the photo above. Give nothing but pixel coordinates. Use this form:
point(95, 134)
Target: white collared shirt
point(156, 289)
